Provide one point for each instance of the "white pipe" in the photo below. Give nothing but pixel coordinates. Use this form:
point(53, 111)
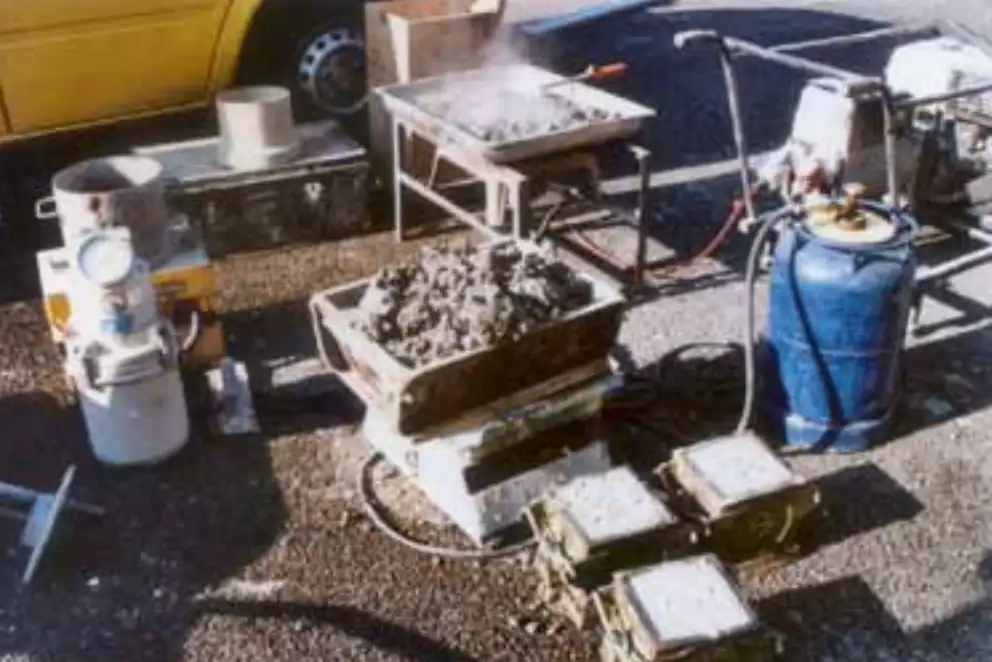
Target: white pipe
point(257, 130)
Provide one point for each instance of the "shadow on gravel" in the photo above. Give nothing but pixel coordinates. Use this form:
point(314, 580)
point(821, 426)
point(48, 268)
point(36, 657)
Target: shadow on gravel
point(293, 391)
point(119, 587)
point(698, 389)
point(881, 501)
point(843, 619)
point(964, 637)
point(692, 393)
point(962, 385)
point(969, 310)
point(383, 635)
point(839, 620)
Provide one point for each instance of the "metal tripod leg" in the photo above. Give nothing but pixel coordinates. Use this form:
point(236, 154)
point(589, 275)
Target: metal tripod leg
point(643, 158)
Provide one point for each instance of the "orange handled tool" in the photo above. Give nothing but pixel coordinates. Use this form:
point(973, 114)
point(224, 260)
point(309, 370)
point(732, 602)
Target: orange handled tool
point(593, 73)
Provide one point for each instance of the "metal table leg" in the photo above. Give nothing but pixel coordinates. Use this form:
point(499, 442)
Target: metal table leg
point(518, 192)
point(643, 158)
point(398, 136)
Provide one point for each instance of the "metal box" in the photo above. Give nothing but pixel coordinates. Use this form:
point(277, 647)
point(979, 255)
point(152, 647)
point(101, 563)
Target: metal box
point(322, 195)
point(688, 609)
point(594, 526)
point(414, 399)
point(752, 501)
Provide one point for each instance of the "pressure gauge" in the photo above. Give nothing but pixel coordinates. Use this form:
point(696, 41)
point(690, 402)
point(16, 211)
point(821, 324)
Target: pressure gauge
point(105, 259)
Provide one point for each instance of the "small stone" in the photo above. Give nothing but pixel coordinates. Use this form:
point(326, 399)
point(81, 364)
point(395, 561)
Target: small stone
point(93, 582)
point(532, 627)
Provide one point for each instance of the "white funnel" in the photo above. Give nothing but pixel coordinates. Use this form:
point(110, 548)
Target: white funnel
point(257, 130)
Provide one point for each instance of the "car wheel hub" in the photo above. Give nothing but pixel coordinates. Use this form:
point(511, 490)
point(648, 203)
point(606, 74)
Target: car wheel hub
point(332, 71)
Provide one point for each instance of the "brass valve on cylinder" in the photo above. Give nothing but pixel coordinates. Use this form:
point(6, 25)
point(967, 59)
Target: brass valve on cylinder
point(844, 213)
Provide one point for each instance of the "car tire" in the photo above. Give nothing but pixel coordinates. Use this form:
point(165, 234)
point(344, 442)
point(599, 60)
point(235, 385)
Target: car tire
point(315, 51)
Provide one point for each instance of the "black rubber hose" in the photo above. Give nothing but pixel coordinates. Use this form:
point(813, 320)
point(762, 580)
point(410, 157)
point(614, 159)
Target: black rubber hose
point(367, 500)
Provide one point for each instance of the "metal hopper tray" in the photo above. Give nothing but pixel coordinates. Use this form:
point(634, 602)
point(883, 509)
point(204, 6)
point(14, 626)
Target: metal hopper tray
point(406, 102)
point(417, 399)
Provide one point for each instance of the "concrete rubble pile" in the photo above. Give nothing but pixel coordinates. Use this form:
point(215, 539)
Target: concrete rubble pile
point(454, 300)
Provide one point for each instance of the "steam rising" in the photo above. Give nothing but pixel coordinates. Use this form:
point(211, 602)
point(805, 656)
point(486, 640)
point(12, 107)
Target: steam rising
point(503, 100)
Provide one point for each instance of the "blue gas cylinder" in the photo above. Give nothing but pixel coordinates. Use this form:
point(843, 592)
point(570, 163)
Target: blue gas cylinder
point(840, 295)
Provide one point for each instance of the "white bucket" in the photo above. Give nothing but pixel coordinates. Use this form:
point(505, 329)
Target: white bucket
point(118, 191)
point(132, 402)
point(257, 130)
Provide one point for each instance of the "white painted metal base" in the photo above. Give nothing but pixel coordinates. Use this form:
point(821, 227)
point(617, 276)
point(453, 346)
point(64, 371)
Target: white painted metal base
point(439, 467)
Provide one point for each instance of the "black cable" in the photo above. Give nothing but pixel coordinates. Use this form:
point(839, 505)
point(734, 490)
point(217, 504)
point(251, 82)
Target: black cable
point(363, 483)
point(750, 373)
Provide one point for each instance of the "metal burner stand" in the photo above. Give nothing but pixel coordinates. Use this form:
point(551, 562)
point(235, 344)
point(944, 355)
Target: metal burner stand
point(508, 187)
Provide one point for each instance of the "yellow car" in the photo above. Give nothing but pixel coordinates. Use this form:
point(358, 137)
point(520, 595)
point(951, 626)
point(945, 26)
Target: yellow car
point(70, 64)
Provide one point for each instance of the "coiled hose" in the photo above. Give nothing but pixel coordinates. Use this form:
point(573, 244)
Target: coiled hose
point(367, 499)
point(645, 390)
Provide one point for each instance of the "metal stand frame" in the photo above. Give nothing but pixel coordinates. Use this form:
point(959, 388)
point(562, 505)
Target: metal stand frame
point(506, 189)
point(503, 186)
point(42, 517)
point(858, 86)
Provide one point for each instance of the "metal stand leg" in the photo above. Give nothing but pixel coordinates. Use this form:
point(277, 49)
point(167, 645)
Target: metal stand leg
point(643, 158)
point(495, 209)
point(398, 179)
point(519, 193)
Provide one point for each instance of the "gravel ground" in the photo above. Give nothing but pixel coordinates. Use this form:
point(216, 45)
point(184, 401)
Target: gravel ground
point(254, 548)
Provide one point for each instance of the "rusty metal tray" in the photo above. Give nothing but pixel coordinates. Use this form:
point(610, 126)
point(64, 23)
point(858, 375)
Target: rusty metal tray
point(417, 399)
point(401, 100)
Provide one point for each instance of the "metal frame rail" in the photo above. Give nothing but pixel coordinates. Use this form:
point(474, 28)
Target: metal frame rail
point(506, 188)
point(859, 86)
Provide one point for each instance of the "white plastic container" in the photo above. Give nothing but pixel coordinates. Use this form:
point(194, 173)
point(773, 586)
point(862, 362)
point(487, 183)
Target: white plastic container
point(123, 360)
point(257, 130)
point(132, 401)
